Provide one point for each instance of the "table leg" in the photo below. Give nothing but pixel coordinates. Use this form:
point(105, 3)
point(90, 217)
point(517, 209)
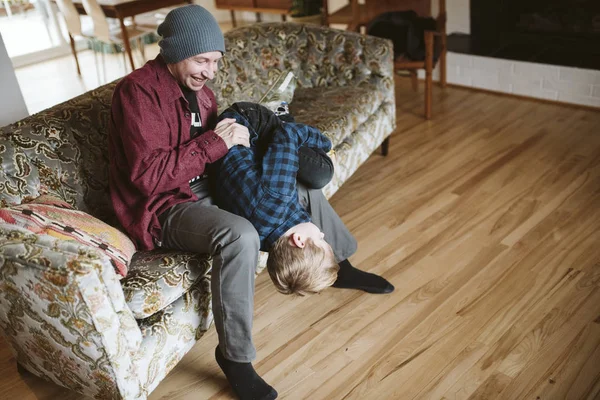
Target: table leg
point(7, 8)
point(233, 21)
point(126, 42)
point(74, 51)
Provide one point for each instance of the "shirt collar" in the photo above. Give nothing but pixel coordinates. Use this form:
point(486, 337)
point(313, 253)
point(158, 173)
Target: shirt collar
point(168, 83)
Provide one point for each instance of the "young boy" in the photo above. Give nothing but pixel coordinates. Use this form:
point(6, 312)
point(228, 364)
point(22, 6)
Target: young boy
point(259, 183)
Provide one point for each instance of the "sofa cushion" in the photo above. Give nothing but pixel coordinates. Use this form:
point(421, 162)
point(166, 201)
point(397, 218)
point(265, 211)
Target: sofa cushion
point(51, 216)
point(337, 111)
point(158, 278)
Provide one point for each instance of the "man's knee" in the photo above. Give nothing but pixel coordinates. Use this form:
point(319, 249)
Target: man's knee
point(246, 236)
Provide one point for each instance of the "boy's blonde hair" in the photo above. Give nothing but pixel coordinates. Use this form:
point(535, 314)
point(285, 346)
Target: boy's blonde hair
point(301, 271)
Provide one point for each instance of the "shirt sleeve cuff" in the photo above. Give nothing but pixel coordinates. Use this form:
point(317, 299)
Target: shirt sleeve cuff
point(213, 145)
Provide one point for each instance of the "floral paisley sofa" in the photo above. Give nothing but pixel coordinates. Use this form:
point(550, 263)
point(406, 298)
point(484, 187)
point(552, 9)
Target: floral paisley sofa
point(64, 311)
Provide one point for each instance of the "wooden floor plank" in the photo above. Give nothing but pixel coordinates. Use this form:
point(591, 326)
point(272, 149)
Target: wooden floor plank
point(573, 375)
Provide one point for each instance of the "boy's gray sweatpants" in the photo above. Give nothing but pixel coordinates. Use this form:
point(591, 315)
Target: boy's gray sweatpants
point(202, 227)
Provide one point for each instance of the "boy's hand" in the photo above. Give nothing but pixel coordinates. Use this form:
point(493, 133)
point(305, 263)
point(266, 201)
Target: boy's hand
point(233, 133)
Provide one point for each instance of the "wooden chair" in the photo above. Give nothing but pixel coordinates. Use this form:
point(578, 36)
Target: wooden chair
point(73, 23)
point(104, 34)
point(356, 16)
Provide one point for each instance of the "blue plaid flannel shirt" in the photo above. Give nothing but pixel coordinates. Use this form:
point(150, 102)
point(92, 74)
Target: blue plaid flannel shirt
point(259, 183)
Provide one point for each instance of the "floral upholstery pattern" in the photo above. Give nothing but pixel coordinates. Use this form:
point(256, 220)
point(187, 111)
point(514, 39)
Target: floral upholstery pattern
point(65, 316)
point(158, 278)
point(357, 147)
point(171, 333)
point(338, 111)
point(62, 301)
point(62, 151)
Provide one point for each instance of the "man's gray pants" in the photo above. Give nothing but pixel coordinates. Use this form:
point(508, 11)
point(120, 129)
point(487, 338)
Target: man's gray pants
point(202, 227)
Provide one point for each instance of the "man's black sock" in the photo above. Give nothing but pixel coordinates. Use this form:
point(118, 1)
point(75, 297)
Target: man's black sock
point(352, 278)
point(244, 380)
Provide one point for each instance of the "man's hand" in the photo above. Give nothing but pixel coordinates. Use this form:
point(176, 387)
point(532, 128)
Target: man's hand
point(233, 133)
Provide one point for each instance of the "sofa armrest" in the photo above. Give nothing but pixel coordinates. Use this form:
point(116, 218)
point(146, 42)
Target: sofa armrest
point(64, 315)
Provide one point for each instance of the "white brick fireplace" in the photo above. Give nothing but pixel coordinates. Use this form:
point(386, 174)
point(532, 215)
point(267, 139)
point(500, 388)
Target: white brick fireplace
point(548, 82)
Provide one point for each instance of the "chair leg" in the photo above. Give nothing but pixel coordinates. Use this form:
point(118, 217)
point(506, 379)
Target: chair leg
point(415, 79)
point(142, 50)
point(22, 370)
point(93, 42)
point(103, 64)
point(233, 21)
point(443, 81)
point(121, 50)
point(74, 51)
point(7, 8)
point(385, 146)
point(428, 73)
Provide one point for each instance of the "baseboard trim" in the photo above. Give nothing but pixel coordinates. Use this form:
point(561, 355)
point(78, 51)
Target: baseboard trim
point(47, 54)
point(521, 97)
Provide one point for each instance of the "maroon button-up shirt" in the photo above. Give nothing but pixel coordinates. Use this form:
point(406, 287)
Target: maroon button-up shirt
point(152, 157)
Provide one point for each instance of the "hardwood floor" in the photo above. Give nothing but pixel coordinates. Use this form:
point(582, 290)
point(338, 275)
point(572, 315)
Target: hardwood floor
point(486, 219)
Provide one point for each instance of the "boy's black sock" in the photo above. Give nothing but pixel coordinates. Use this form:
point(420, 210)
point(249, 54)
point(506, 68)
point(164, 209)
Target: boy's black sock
point(352, 278)
point(244, 380)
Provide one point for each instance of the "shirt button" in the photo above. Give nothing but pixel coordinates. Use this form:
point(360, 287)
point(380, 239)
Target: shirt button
point(194, 153)
point(206, 142)
point(187, 114)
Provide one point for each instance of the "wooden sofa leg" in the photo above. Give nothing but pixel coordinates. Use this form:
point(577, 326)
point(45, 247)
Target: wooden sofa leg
point(385, 146)
point(22, 370)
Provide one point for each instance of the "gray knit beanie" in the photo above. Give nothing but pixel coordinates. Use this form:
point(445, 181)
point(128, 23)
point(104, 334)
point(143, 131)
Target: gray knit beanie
point(188, 31)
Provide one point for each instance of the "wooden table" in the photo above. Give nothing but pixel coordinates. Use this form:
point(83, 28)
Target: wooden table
point(122, 9)
point(257, 6)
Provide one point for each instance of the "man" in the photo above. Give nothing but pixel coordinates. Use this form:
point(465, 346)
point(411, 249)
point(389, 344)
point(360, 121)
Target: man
point(163, 132)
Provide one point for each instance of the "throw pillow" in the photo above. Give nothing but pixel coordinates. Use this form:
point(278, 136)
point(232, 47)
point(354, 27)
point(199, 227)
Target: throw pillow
point(48, 215)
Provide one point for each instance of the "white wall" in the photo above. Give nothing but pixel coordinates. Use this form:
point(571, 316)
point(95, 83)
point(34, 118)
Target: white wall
point(458, 16)
point(220, 15)
point(12, 104)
